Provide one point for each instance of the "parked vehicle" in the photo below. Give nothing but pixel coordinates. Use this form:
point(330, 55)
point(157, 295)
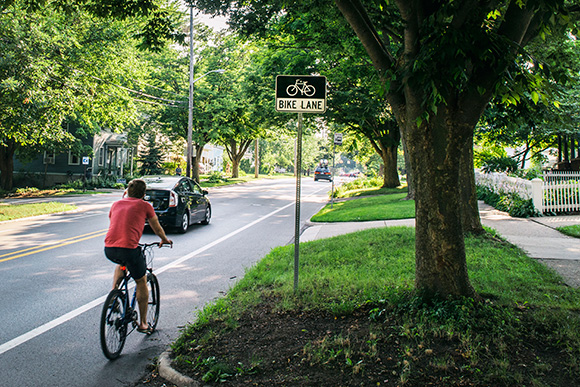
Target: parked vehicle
point(322, 173)
point(178, 201)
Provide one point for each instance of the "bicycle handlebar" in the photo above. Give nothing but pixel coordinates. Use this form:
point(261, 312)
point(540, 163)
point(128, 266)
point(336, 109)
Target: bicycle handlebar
point(145, 245)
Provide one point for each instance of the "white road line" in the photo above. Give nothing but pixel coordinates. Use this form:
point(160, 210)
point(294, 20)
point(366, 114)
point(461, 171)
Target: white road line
point(99, 301)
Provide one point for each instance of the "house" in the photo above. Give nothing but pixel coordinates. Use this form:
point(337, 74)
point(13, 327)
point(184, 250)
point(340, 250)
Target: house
point(212, 158)
point(110, 157)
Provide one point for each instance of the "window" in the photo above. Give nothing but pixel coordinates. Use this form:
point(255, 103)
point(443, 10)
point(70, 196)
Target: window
point(73, 159)
point(48, 158)
point(101, 157)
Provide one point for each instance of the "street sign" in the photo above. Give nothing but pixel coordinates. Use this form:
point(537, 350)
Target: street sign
point(85, 160)
point(337, 138)
point(300, 94)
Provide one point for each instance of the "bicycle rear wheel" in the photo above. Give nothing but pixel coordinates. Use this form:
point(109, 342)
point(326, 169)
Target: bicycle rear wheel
point(114, 324)
point(154, 298)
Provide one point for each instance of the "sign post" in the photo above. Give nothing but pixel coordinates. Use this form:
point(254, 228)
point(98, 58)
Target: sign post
point(85, 163)
point(299, 94)
point(337, 141)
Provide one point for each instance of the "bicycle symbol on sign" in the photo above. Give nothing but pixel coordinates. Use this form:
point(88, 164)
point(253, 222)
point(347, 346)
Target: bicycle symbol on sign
point(301, 86)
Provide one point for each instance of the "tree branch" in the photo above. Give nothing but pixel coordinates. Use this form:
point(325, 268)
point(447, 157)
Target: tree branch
point(356, 15)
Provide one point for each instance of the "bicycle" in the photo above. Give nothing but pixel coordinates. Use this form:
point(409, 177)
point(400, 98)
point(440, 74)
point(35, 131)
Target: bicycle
point(302, 87)
point(119, 311)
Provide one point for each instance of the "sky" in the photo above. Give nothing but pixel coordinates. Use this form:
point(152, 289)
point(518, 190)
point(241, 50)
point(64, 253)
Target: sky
point(217, 23)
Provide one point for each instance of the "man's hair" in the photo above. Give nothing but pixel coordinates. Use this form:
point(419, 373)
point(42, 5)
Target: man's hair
point(136, 188)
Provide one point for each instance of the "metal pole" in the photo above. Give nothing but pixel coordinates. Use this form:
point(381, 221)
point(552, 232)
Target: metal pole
point(332, 175)
point(257, 160)
point(297, 216)
point(190, 109)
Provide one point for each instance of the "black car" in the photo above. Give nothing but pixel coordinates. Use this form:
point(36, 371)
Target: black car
point(322, 173)
point(178, 201)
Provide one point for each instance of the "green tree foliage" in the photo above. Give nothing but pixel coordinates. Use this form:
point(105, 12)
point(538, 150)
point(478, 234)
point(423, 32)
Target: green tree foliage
point(58, 66)
point(356, 99)
point(441, 63)
point(158, 20)
point(151, 157)
point(532, 122)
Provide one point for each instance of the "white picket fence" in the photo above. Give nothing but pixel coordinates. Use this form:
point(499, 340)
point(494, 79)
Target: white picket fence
point(558, 192)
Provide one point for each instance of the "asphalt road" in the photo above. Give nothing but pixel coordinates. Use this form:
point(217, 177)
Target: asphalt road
point(54, 278)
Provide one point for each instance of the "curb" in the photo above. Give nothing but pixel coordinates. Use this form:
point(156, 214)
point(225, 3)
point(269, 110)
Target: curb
point(168, 373)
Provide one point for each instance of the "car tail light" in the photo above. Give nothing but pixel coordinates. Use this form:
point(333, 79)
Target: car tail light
point(172, 199)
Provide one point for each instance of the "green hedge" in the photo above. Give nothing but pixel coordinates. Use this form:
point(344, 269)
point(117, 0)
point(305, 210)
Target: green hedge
point(511, 203)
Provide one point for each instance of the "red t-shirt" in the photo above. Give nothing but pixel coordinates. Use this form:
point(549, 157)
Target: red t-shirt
point(127, 219)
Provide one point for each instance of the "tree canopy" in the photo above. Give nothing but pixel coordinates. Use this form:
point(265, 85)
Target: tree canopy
point(441, 63)
point(59, 67)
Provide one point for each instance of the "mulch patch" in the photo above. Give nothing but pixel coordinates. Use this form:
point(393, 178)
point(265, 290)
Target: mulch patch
point(307, 349)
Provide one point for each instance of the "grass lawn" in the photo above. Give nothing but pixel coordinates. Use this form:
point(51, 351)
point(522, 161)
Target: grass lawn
point(573, 231)
point(376, 207)
point(356, 320)
point(370, 191)
point(17, 211)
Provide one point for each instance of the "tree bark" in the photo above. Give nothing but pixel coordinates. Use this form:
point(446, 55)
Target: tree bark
point(437, 136)
point(195, 162)
point(435, 150)
point(469, 208)
point(236, 154)
point(408, 171)
point(7, 151)
point(390, 173)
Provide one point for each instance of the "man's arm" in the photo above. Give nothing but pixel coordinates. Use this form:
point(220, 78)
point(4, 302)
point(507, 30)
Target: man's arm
point(158, 230)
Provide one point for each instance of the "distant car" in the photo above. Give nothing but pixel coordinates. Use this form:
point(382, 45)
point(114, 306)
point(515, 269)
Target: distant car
point(178, 201)
point(322, 173)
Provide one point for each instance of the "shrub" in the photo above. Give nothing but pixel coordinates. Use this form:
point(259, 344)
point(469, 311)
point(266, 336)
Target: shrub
point(499, 164)
point(512, 203)
point(26, 190)
point(216, 177)
point(360, 183)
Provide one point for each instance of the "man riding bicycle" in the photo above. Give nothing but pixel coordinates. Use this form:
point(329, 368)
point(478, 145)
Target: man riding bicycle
point(127, 220)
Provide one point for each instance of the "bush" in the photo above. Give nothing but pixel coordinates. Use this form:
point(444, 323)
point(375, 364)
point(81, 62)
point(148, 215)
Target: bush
point(102, 182)
point(216, 177)
point(528, 174)
point(75, 184)
point(512, 203)
point(499, 164)
point(21, 191)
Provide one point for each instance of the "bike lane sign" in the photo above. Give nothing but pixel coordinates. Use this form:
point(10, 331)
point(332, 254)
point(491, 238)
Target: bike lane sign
point(300, 94)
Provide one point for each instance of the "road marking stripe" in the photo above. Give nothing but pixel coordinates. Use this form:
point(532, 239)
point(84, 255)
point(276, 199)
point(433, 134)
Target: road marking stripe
point(53, 245)
point(80, 310)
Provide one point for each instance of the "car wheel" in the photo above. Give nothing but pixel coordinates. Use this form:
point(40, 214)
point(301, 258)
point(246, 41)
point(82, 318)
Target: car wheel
point(182, 228)
point(207, 217)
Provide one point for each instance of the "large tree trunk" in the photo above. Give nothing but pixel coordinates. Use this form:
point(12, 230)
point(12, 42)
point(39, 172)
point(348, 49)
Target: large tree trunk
point(436, 132)
point(435, 150)
point(408, 171)
point(469, 207)
point(195, 162)
point(7, 164)
point(236, 154)
point(390, 173)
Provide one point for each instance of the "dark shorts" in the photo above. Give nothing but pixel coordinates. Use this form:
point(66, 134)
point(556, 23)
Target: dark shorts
point(132, 258)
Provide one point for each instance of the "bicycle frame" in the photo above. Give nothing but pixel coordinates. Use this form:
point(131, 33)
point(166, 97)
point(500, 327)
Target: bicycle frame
point(124, 287)
point(120, 309)
point(129, 315)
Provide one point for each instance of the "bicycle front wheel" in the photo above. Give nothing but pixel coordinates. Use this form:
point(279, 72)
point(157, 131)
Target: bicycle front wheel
point(114, 324)
point(154, 297)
